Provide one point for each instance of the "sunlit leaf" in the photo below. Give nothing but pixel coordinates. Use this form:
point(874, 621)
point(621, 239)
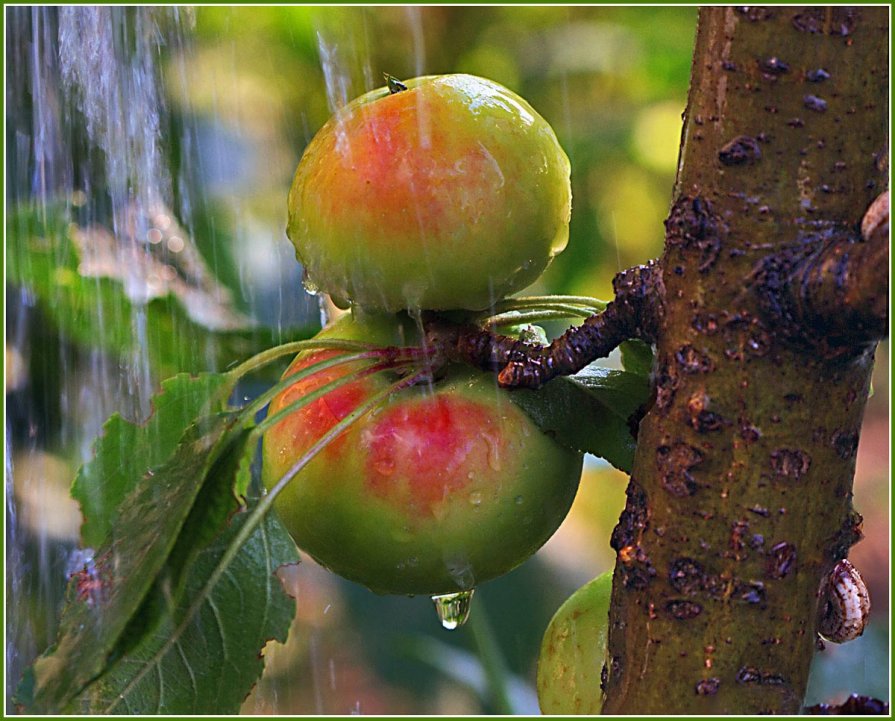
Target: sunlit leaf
point(202, 656)
point(183, 586)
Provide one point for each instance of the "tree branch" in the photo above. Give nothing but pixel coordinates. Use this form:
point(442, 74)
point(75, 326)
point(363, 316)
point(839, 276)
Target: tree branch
point(739, 504)
point(632, 314)
point(831, 289)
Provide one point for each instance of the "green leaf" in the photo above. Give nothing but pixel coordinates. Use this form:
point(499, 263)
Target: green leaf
point(125, 451)
point(180, 598)
point(637, 357)
point(104, 598)
point(94, 311)
point(202, 656)
point(589, 412)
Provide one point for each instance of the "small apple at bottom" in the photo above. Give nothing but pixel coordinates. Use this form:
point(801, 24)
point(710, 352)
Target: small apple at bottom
point(573, 652)
point(443, 487)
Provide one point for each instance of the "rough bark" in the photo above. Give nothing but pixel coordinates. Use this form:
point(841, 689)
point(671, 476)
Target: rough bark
point(765, 309)
point(740, 498)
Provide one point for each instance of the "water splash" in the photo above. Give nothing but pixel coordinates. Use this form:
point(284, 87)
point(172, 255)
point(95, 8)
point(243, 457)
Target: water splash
point(85, 118)
point(415, 23)
point(119, 101)
point(339, 88)
point(453, 608)
point(109, 82)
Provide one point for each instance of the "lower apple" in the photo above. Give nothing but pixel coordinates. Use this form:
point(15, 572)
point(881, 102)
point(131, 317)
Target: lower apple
point(446, 485)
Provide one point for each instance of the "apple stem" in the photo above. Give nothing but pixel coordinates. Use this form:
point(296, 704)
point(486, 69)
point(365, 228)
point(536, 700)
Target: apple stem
point(322, 391)
point(394, 85)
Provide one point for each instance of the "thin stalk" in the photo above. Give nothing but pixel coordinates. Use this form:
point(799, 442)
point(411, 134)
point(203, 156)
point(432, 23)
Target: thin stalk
point(570, 310)
point(534, 316)
point(314, 395)
point(272, 354)
point(337, 430)
point(262, 400)
point(493, 663)
point(594, 305)
point(365, 350)
point(245, 416)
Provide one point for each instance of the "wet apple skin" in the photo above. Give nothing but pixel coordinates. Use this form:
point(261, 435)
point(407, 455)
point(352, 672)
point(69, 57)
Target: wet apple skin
point(449, 195)
point(444, 487)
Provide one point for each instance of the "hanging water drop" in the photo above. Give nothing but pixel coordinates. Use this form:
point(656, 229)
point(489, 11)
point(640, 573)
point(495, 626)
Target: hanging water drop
point(453, 608)
point(493, 444)
point(309, 285)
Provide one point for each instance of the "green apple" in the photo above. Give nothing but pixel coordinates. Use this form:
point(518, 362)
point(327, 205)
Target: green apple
point(448, 195)
point(447, 485)
point(573, 652)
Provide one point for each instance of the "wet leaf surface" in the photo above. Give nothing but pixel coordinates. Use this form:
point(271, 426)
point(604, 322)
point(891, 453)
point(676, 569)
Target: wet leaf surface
point(589, 412)
point(203, 656)
point(183, 579)
point(126, 452)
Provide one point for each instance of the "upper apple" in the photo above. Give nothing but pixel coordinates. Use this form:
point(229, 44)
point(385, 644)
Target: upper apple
point(448, 195)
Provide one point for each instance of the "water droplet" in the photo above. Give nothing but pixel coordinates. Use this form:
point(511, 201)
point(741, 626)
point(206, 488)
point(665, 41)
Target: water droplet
point(493, 453)
point(453, 608)
point(310, 287)
point(384, 465)
point(475, 498)
point(519, 500)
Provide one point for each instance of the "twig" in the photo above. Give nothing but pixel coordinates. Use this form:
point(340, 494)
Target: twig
point(632, 314)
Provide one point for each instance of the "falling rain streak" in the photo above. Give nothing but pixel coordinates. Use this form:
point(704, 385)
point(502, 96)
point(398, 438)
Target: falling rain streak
point(85, 118)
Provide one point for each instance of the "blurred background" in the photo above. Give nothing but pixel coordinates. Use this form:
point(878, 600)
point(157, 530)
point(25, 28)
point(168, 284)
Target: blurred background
point(149, 154)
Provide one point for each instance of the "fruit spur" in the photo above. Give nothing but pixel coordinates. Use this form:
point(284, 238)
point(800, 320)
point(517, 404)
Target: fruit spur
point(438, 194)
